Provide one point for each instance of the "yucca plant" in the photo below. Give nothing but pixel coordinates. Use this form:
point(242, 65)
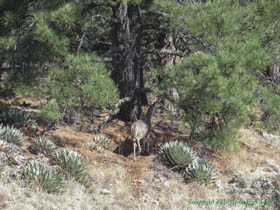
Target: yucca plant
point(176, 154)
point(17, 118)
point(44, 145)
point(11, 134)
point(201, 171)
point(49, 179)
point(72, 165)
point(99, 143)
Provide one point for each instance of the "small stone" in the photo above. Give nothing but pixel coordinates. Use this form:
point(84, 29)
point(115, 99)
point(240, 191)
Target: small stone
point(166, 184)
point(106, 192)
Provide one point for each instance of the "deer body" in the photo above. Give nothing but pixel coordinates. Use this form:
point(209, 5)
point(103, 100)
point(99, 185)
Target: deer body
point(139, 130)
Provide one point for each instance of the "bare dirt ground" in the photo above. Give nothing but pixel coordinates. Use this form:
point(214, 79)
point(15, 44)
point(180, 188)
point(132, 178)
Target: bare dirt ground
point(121, 183)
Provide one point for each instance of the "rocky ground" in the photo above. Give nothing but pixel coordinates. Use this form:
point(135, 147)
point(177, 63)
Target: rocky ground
point(248, 179)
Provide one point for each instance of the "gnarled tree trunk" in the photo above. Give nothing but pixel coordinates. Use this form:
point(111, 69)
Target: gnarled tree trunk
point(126, 36)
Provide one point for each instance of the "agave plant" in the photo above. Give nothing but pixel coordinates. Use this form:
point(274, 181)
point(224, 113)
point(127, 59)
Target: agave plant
point(44, 145)
point(49, 179)
point(177, 154)
point(94, 146)
point(11, 134)
point(201, 171)
point(72, 165)
point(17, 118)
point(99, 143)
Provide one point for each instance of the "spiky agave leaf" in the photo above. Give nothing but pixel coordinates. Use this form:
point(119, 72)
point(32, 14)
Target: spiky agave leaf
point(44, 145)
point(94, 146)
point(11, 134)
point(72, 164)
point(99, 143)
point(201, 171)
point(177, 154)
point(17, 118)
point(49, 179)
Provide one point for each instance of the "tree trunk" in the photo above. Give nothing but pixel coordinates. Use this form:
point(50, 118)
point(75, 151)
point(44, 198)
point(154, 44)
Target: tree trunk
point(167, 42)
point(126, 36)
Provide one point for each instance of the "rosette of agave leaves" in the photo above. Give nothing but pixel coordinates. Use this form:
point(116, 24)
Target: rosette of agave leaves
point(201, 171)
point(17, 118)
point(48, 178)
point(44, 145)
point(11, 134)
point(176, 154)
point(72, 165)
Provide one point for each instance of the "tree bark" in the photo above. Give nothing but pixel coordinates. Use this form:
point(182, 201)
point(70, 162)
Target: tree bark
point(126, 35)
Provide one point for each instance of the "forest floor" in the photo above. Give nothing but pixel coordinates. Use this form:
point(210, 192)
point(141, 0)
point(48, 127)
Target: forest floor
point(121, 183)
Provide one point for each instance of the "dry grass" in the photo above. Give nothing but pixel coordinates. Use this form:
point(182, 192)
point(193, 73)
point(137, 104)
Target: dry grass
point(121, 183)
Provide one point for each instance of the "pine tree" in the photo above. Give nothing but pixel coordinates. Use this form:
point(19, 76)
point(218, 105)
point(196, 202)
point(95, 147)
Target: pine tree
point(70, 52)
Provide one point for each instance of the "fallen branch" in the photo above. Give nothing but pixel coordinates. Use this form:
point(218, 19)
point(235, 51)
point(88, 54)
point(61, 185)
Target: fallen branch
point(112, 114)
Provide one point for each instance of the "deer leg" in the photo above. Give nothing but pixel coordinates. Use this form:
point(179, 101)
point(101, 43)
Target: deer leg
point(134, 150)
point(139, 147)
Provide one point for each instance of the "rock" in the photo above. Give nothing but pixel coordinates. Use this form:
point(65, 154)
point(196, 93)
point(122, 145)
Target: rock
point(238, 180)
point(268, 168)
point(3, 159)
point(166, 184)
point(266, 191)
point(270, 136)
point(261, 189)
point(106, 192)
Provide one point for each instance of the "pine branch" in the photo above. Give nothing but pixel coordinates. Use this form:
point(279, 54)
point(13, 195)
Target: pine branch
point(163, 52)
point(88, 29)
point(91, 4)
point(157, 13)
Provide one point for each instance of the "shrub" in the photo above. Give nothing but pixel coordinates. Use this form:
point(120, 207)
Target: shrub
point(81, 81)
point(99, 143)
point(201, 171)
point(11, 135)
point(17, 118)
point(216, 91)
point(177, 154)
point(72, 165)
point(50, 111)
point(44, 145)
point(48, 179)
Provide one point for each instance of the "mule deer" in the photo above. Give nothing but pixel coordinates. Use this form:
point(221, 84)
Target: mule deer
point(141, 128)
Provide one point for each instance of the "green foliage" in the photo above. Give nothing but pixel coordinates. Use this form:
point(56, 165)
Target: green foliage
point(176, 154)
point(216, 91)
point(11, 134)
point(99, 143)
point(179, 155)
point(48, 179)
point(271, 116)
point(44, 145)
point(44, 43)
point(17, 118)
point(242, 37)
point(201, 171)
point(72, 165)
point(46, 63)
point(50, 111)
point(79, 82)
